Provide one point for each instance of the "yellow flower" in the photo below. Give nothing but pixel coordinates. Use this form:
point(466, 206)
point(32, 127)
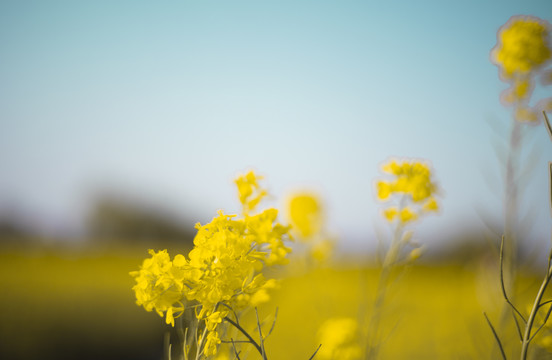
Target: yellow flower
point(415, 254)
point(249, 190)
point(211, 343)
point(305, 214)
point(214, 319)
point(523, 49)
point(159, 285)
point(410, 178)
point(322, 250)
point(340, 339)
point(384, 190)
point(390, 213)
point(407, 215)
point(431, 205)
point(523, 46)
point(223, 270)
point(525, 114)
point(410, 186)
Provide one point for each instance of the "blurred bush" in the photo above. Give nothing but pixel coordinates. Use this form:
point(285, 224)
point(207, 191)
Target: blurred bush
point(115, 219)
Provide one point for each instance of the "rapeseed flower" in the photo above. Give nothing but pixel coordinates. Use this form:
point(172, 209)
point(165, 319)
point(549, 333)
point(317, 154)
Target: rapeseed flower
point(305, 214)
point(223, 271)
point(340, 339)
point(409, 186)
point(523, 46)
point(159, 286)
point(522, 51)
point(249, 190)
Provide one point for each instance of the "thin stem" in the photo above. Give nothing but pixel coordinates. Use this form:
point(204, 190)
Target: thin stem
point(547, 123)
point(545, 303)
point(502, 281)
point(313, 355)
point(167, 345)
point(496, 337)
point(242, 330)
point(550, 182)
point(387, 266)
point(517, 326)
point(263, 353)
point(235, 351)
point(199, 350)
point(273, 324)
point(543, 323)
point(527, 335)
point(185, 345)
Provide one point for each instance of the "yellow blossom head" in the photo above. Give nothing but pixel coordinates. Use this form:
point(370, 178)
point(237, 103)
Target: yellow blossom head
point(249, 191)
point(159, 285)
point(223, 271)
point(409, 188)
point(340, 339)
point(305, 214)
point(523, 45)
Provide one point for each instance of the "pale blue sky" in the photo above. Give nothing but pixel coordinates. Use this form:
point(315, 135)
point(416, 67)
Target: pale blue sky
point(170, 100)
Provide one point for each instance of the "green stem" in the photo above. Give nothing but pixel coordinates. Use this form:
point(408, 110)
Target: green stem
point(536, 305)
point(387, 266)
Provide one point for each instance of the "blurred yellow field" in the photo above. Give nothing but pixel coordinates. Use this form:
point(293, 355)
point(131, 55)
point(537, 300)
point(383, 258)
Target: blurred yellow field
point(74, 305)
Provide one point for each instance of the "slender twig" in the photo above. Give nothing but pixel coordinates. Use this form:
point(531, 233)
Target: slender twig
point(502, 281)
point(273, 324)
point(235, 351)
point(543, 323)
point(185, 346)
point(229, 308)
point(313, 355)
point(517, 326)
point(496, 337)
point(547, 123)
point(550, 181)
point(263, 353)
point(235, 341)
point(245, 333)
point(199, 350)
point(527, 335)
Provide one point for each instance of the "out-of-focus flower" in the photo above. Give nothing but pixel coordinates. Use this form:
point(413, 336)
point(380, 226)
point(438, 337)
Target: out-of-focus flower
point(340, 339)
point(410, 188)
point(522, 51)
point(523, 46)
point(407, 215)
point(305, 214)
point(390, 213)
point(322, 250)
point(415, 254)
point(249, 190)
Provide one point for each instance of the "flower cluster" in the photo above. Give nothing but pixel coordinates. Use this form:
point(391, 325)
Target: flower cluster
point(223, 271)
point(305, 213)
point(523, 49)
point(250, 192)
point(412, 187)
point(340, 339)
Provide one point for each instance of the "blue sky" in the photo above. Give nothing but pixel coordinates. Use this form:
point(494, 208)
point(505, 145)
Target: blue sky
point(168, 101)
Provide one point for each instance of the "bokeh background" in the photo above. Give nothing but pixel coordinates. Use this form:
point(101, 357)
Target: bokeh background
point(123, 123)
